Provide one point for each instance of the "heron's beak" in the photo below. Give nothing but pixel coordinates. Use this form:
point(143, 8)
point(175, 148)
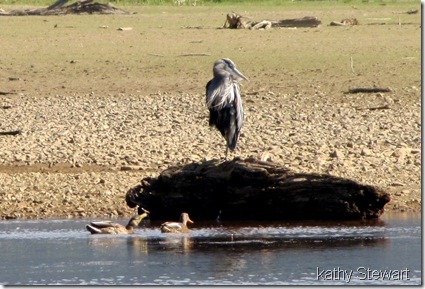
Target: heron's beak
point(189, 220)
point(238, 74)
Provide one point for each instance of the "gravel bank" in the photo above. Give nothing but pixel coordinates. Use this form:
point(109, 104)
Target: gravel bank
point(78, 155)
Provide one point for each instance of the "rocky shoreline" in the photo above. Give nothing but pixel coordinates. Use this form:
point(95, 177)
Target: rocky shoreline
point(76, 156)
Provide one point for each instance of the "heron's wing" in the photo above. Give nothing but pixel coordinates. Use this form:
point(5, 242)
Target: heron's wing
point(237, 103)
point(219, 92)
point(235, 118)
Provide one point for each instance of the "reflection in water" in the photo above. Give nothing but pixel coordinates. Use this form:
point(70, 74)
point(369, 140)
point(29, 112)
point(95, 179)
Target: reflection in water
point(137, 246)
point(179, 243)
point(227, 253)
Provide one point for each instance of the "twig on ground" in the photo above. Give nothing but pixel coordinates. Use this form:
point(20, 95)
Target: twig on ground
point(386, 106)
point(368, 90)
point(12, 132)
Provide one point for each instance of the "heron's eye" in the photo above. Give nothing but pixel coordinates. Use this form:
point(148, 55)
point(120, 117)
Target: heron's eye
point(230, 64)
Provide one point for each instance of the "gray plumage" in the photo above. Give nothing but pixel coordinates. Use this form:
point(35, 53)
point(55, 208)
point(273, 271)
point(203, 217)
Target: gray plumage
point(224, 101)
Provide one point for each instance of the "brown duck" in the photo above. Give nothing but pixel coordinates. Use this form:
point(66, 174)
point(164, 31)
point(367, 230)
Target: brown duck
point(177, 227)
point(108, 227)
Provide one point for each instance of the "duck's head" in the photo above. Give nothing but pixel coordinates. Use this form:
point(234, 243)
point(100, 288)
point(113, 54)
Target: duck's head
point(136, 219)
point(184, 218)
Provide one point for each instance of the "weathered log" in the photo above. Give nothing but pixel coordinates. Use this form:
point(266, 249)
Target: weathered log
point(307, 21)
point(412, 11)
point(11, 132)
point(78, 7)
point(345, 22)
point(237, 21)
point(261, 25)
point(253, 189)
point(57, 4)
point(368, 90)
point(385, 106)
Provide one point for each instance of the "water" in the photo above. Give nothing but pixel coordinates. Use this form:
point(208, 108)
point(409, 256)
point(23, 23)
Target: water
point(62, 252)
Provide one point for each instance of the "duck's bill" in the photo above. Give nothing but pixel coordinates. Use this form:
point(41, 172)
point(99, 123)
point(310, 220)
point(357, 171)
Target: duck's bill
point(144, 210)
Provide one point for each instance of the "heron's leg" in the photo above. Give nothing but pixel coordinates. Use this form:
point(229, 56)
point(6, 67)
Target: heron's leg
point(227, 150)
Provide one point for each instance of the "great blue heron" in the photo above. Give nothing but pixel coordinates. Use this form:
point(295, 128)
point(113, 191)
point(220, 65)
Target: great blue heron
point(224, 101)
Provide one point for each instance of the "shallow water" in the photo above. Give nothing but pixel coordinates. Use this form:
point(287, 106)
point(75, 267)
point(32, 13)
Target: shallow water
point(379, 252)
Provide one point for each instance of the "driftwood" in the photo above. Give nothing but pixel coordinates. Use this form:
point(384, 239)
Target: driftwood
point(253, 189)
point(345, 22)
point(307, 21)
point(78, 7)
point(385, 106)
point(12, 132)
point(237, 21)
point(125, 28)
point(368, 90)
point(261, 25)
point(412, 11)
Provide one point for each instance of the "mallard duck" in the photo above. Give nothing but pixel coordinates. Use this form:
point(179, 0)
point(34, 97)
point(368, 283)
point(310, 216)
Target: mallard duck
point(108, 227)
point(177, 227)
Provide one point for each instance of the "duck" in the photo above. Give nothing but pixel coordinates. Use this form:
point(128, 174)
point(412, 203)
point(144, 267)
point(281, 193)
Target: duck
point(108, 227)
point(177, 227)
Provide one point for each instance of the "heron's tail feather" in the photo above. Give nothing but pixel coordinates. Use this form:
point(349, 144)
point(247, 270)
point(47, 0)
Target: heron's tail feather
point(226, 122)
point(231, 144)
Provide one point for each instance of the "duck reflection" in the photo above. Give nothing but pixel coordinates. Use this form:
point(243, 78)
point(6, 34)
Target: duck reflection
point(103, 242)
point(137, 246)
point(176, 242)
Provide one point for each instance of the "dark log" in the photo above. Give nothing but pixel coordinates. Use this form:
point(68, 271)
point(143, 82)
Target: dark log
point(78, 7)
point(307, 21)
point(251, 189)
point(12, 132)
point(57, 4)
point(412, 11)
point(368, 90)
point(385, 106)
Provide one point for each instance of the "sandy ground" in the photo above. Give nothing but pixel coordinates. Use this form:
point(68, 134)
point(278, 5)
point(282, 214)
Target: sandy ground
point(99, 109)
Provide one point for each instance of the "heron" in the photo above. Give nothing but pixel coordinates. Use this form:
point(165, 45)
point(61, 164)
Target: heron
point(224, 101)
